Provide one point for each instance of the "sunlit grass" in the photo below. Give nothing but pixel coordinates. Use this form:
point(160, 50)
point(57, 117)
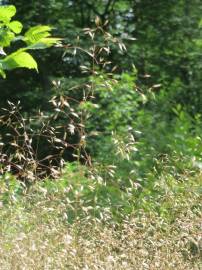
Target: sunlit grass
point(50, 228)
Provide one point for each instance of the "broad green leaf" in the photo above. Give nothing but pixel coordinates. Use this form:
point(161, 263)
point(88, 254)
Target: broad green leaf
point(38, 29)
point(19, 59)
point(36, 33)
point(6, 36)
point(44, 43)
point(37, 46)
point(15, 26)
point(50, 41)
point(6, 13)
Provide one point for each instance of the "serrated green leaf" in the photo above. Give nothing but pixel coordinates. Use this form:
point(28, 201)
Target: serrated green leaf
point(38, 29)
point(36, 33)
point(37, 46)
point(19, 59)
point(43, 44)
point(6, 13)
point(15, 26)
point(50, 41)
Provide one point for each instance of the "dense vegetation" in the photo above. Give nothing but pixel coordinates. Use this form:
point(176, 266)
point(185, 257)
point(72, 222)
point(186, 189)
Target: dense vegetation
point(100, 134)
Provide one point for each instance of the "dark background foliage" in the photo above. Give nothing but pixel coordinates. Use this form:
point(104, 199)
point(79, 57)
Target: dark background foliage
point(163, 42)
point(165, 48)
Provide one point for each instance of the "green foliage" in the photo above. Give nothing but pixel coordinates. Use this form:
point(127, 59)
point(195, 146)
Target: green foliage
point(164, 224)
point(17, 60)
point(107, 201)
point(11, 189)
point(163, 49)
point(37, 37)
point(135, 137)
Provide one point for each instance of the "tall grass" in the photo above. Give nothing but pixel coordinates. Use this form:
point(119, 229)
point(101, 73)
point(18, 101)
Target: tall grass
point(65, 224)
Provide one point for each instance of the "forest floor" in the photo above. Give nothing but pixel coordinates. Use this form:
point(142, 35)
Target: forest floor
point(35, 234)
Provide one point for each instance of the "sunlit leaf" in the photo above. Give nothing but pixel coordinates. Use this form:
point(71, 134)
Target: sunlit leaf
point(19, 59)
point(6, 13)
point(15, 26)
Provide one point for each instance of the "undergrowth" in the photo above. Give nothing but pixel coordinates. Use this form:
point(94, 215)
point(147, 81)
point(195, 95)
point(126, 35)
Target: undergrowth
point(78, 222)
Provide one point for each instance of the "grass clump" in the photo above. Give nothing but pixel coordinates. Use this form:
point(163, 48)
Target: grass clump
point(69, 224)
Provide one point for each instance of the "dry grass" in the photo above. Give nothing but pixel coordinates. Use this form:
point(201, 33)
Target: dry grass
point(34, 234)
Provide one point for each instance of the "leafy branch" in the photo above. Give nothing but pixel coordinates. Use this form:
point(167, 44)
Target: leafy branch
point(36, 38)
